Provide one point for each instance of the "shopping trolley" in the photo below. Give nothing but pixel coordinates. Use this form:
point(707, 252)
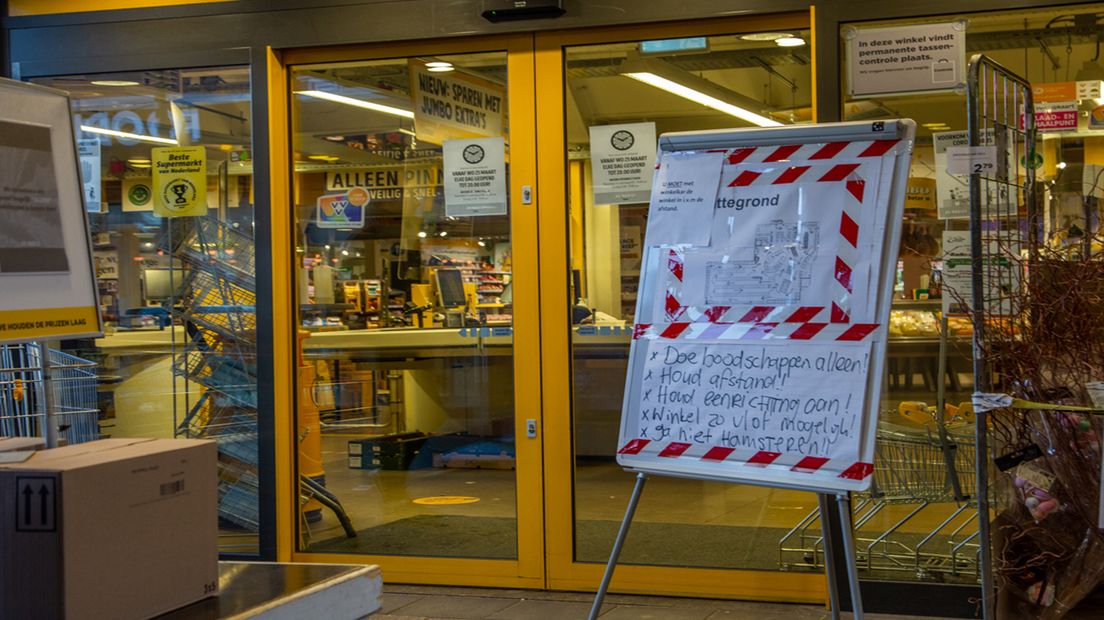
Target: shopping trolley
point(72, 386)
point(915, 470)
point(207, 244)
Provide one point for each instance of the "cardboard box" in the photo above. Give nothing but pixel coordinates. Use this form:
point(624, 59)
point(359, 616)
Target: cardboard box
point(21, 444)
point(111, 529)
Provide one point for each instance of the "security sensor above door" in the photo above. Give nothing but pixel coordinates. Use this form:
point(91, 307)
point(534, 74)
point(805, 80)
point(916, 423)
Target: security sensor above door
point(514, 10)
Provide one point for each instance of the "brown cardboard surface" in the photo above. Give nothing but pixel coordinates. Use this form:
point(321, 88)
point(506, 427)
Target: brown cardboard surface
point(14, 444)
point(135, 534)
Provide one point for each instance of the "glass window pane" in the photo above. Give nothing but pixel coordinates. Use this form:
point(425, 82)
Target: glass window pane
point(406, 413)
point(177, 294)
point(679, 522)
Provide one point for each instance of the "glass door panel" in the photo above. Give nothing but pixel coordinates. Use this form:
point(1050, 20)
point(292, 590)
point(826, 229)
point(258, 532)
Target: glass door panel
point(679, 522)
point(406, 308)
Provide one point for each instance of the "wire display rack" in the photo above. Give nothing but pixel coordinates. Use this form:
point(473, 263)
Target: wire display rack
point(210, 245)
point(219, 314)
point(220, 305)
point(72, 385)
point(915, 471)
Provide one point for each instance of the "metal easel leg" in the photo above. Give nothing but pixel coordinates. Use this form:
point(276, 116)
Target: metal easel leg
point(49, 419)
point(596, 608)
point(848, 541)
point(830, 546)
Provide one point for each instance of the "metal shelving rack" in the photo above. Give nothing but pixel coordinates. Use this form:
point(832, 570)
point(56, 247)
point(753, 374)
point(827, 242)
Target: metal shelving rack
point(218, 359)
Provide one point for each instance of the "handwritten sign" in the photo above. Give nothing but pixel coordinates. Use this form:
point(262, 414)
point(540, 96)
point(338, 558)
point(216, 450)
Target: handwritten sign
point(685, 189)
point(779, 397)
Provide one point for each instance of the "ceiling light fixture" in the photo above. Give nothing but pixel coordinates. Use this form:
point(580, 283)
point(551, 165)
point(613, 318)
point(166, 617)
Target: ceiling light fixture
point(439, 69)
point(682, 90)
point(114, 83)
point(360, 103)
point(765, 36)
point(438, 63)
point(128, 135)
point(421, 234)
point(789, 42)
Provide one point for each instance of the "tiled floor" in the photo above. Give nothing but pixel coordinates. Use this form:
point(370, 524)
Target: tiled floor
point(440, 603)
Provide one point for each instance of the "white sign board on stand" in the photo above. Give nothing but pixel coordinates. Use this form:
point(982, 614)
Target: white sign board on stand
point(759, 354)
point(46, 270)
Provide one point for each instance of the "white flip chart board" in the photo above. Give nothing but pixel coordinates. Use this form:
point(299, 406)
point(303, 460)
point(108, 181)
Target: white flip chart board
point(759, 347)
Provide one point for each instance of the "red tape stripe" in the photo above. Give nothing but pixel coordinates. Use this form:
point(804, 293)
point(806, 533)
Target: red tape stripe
point(782, 153)
point(807, 331)
point(674, 330)
point(850, 230)
point(640, 329)
point(634, 446)
point(838, 173)
point(739, 155)
point(839, 315)
point(858, 331)
point(878, 148)
point(830, 150)
point(763, 458)
point(791, 174)
point(714, 313)
point(858, 471)
point(804, 314)
point(747, 177)
point(809, 464)
point(674, 449)
point(857, 188)
point(843, 274)
point(756, 314)
point(717, 453)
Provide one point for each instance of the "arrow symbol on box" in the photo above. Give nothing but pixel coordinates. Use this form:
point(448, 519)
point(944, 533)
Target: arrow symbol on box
point(43, 493)
point(27, 493)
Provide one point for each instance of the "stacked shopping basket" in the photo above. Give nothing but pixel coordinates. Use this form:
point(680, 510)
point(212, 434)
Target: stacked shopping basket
point(218, 311)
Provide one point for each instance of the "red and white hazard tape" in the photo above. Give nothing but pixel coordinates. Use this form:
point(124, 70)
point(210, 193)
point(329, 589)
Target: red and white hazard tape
point(797, 463)
point(842, 332)
point(810, 152)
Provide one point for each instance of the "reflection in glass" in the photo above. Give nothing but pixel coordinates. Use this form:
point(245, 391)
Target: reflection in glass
point(178, 294)
point(736, 81)
point(405, 411)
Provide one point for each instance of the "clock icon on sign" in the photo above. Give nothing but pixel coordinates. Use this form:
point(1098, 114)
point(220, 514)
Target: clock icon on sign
point(622, 140)
point(473, 153)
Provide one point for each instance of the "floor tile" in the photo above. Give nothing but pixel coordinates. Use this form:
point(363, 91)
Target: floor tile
point(647, 612)
point(393, 601)
point(543, 610)
point(461, 607)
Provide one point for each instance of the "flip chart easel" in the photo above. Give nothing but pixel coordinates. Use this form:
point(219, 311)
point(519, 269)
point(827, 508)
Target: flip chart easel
point(759, 346)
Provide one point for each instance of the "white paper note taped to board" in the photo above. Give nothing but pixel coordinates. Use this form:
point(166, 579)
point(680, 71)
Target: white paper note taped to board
point(685, 190)
point(795, 401)
point(786, 237)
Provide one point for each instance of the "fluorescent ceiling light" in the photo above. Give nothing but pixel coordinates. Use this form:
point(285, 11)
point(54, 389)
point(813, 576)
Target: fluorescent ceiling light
point(708, 101)
point(438, 64)
point(360, 103)
point(113, 83)
point(439, 69)
point(789, 42)
point(764, 36)
point(127, 134)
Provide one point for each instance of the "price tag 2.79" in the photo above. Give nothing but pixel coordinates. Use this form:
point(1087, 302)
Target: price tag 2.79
point(972, 160)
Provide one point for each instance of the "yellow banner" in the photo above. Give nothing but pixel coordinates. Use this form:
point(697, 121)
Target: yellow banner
point(48, 323)
point(180, 181)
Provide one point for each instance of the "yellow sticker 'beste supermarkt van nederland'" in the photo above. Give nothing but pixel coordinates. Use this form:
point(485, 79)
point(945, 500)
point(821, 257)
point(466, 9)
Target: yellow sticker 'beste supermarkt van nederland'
point(180, 181)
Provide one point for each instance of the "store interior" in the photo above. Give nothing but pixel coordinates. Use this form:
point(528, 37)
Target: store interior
point(405, 307)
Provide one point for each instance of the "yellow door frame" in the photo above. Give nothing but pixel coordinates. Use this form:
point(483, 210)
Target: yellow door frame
point(528, 570)
point(562, 569)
